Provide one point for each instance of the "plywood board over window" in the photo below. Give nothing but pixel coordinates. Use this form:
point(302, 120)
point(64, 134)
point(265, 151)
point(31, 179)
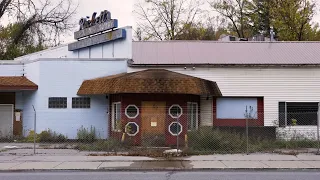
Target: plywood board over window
point(237, 108)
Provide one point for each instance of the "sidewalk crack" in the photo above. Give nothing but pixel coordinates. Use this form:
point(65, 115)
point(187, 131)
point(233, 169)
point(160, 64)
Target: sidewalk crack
point(99, 165)
point(58, 164)
point(264, 164)
point(223, 163)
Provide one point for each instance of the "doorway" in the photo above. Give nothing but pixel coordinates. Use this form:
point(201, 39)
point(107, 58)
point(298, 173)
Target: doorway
point(153, 118)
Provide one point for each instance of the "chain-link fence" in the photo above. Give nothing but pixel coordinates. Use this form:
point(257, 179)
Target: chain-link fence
point(152, 131)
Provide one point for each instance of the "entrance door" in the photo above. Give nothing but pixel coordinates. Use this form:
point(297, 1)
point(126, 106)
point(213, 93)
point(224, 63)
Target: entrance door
point(153, 118)
point(6, 118)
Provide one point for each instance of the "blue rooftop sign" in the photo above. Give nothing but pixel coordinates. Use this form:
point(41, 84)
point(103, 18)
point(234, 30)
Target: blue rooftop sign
point(98, 29)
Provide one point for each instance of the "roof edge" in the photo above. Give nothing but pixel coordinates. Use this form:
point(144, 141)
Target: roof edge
point(222, 65)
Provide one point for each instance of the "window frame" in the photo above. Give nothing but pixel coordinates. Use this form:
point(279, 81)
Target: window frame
point(87, 107)
point(55, 106)
point(181, 129)
point(175, 117)
point(134, 134)
point(191, 115)
point(126, 113)
point(283, 113)
point(113, 111)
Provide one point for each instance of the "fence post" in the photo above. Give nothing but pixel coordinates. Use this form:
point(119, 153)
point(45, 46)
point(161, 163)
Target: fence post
point(34, 129)
point(177, 137)
point(247, 130)
point(318, 122)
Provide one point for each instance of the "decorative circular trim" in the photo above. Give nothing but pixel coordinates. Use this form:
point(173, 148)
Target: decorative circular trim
point(135, 132)
point(132, 105)
point(173, 134)
point(172, 107)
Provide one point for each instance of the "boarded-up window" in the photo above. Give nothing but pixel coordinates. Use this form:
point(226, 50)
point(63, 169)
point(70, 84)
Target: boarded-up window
point(237, 108)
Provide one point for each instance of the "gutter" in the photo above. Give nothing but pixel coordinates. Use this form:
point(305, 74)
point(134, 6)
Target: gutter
point(225, 65)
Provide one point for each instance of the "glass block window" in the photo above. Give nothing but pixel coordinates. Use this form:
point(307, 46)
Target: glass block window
point(81, 102)
point(58, 102)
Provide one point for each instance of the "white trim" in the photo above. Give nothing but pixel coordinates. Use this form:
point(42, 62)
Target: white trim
point(172, 107)
point(127, 113)
point(112, 116)
point(173, 133)
point(197, 114)
point(12, 117)
point(135, 132)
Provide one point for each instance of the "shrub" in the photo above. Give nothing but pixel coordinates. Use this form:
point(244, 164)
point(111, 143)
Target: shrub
point(30, 137)
point(86, 135)
point(51, 136)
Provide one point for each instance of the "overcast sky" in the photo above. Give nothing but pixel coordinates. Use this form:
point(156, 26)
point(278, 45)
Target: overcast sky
point(120, 9)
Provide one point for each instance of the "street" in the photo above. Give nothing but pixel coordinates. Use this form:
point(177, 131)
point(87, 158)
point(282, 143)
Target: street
point(169, 175)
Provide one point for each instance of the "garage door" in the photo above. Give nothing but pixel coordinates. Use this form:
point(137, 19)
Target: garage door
point(6, 117)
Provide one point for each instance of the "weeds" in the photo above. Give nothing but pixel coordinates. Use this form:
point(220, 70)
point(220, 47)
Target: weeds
point(109, 145)
point(86, 135)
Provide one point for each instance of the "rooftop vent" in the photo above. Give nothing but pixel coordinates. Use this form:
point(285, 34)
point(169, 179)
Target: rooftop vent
point(224, 37)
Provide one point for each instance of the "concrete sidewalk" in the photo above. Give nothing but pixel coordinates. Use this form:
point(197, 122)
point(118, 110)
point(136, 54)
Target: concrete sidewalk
point(210, 162)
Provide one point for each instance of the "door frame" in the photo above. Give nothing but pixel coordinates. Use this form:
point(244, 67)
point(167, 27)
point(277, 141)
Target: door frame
point(12, 114)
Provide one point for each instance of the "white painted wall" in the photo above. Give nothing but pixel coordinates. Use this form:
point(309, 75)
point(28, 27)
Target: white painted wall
point(62, 78)
point(32, 72)
point(59, 73)
point(10, 69)
point(274, 84)
point(116, 49)
point(206, 118)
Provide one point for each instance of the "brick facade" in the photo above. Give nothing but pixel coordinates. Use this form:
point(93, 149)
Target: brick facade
point(137, 99)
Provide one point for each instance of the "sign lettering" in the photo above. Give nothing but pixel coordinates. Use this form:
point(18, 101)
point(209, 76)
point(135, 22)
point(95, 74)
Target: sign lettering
point(97, 30)
point(104, 17)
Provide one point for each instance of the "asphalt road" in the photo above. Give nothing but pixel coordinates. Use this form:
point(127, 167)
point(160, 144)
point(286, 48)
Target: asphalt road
point(266, 175)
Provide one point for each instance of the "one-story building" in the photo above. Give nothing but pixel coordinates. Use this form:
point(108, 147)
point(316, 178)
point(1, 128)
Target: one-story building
point(159, 89)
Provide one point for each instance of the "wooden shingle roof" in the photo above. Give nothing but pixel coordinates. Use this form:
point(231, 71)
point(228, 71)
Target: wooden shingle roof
point(16, 83)
point(150, 81)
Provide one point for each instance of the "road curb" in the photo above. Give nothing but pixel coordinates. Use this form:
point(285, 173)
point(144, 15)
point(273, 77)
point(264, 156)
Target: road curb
point(163, 169)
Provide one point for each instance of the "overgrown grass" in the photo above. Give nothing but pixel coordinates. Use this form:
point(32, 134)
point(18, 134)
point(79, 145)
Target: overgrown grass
point(110, 145)
point(208, 141)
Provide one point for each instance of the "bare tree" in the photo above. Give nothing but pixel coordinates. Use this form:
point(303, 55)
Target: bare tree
point(46, 19)
point(4, 4)
point(235, 11)
point(164, 19)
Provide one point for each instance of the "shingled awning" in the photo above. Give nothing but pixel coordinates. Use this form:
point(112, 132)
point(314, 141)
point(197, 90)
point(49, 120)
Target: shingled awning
point(13, 83)
point(150, 81)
